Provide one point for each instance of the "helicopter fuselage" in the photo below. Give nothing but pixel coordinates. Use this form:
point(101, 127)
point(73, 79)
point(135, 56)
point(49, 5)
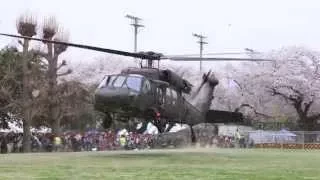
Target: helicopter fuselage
point(135, 95)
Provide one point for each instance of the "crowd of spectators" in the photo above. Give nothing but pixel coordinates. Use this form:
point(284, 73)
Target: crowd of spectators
point(99, 141)
point(75, 141)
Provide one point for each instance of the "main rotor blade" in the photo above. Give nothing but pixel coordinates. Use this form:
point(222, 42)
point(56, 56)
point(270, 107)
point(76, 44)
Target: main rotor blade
point(82, 46)
point(213, 59)
point(208, 54)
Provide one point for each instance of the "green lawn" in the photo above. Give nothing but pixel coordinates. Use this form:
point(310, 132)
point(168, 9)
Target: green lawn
point(164, 164)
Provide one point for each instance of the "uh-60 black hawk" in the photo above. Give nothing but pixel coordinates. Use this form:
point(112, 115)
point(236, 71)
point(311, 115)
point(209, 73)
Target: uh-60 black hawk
point(157, 95)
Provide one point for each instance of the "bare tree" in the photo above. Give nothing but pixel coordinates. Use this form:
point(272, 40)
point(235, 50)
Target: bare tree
point(26, 26)
point(51, 31)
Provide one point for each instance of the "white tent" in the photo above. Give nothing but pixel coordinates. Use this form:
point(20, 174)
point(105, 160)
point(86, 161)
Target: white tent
point(287, 133)
point(285, 136)
point(261, 136)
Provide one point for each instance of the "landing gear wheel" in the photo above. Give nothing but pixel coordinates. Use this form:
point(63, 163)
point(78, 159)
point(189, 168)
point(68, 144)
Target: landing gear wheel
point(157, 121)
point(160, 124)
point(216, 130)
point(107, 122)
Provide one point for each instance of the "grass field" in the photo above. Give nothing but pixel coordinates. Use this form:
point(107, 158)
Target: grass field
point(164, 164)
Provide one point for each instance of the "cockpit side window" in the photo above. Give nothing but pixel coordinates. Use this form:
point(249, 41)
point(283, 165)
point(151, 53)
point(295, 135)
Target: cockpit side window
point(107, 81)
point(174, 94)
point(104, 82)
point(168, 96)
point(119, 81)
point(134, 83)
point(123, 81)
point(110, 80)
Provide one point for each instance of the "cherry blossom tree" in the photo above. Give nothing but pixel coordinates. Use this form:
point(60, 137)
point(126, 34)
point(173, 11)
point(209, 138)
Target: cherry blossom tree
point(289, 84)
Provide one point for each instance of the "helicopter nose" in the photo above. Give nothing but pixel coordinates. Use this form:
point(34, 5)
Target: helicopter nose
point(111, 95)
point(112, 98)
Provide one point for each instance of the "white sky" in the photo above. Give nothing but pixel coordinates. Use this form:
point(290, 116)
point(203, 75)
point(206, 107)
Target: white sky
point(230, 25)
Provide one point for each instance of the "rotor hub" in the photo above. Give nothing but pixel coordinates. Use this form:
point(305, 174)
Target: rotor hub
point(150, 55)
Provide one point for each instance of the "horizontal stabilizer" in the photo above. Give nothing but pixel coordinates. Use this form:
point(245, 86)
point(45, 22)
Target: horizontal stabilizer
point(214, 116)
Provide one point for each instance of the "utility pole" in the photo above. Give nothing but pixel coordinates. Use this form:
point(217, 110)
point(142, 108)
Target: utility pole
point(136, 25)
point(201, 42)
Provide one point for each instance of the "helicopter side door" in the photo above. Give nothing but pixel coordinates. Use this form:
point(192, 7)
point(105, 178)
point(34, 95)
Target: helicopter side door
point(147, 93)
point(170, 103)
point(176, 105)
point(160, 96)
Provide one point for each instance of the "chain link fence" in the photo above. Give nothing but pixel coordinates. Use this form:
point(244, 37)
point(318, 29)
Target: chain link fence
point(284, 139)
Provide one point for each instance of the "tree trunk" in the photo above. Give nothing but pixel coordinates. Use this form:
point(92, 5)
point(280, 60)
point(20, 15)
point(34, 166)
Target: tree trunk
point(26, 141)
point(307, 124)
point(54, 111)
point(56, 127)
point(26, 99)
point(53, 96)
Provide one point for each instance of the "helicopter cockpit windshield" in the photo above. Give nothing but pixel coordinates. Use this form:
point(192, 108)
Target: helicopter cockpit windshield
point(131, 82)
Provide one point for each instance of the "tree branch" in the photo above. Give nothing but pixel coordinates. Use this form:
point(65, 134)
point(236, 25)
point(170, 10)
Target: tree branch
point(307, 106)
point(254, 110)
point(274, 92)
point(291, 88)
point(65, 73)
point(235, 81)
point(63, 63)
point(10, 106)
point(314, 117)
point(40, 53)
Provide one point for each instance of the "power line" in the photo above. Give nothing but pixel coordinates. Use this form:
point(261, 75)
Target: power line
point(201, 42)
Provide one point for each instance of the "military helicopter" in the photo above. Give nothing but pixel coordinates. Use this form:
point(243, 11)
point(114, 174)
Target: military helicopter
point(155, 94)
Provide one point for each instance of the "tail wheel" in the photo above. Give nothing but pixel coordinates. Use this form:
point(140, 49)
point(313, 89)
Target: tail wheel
point(216, 130)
